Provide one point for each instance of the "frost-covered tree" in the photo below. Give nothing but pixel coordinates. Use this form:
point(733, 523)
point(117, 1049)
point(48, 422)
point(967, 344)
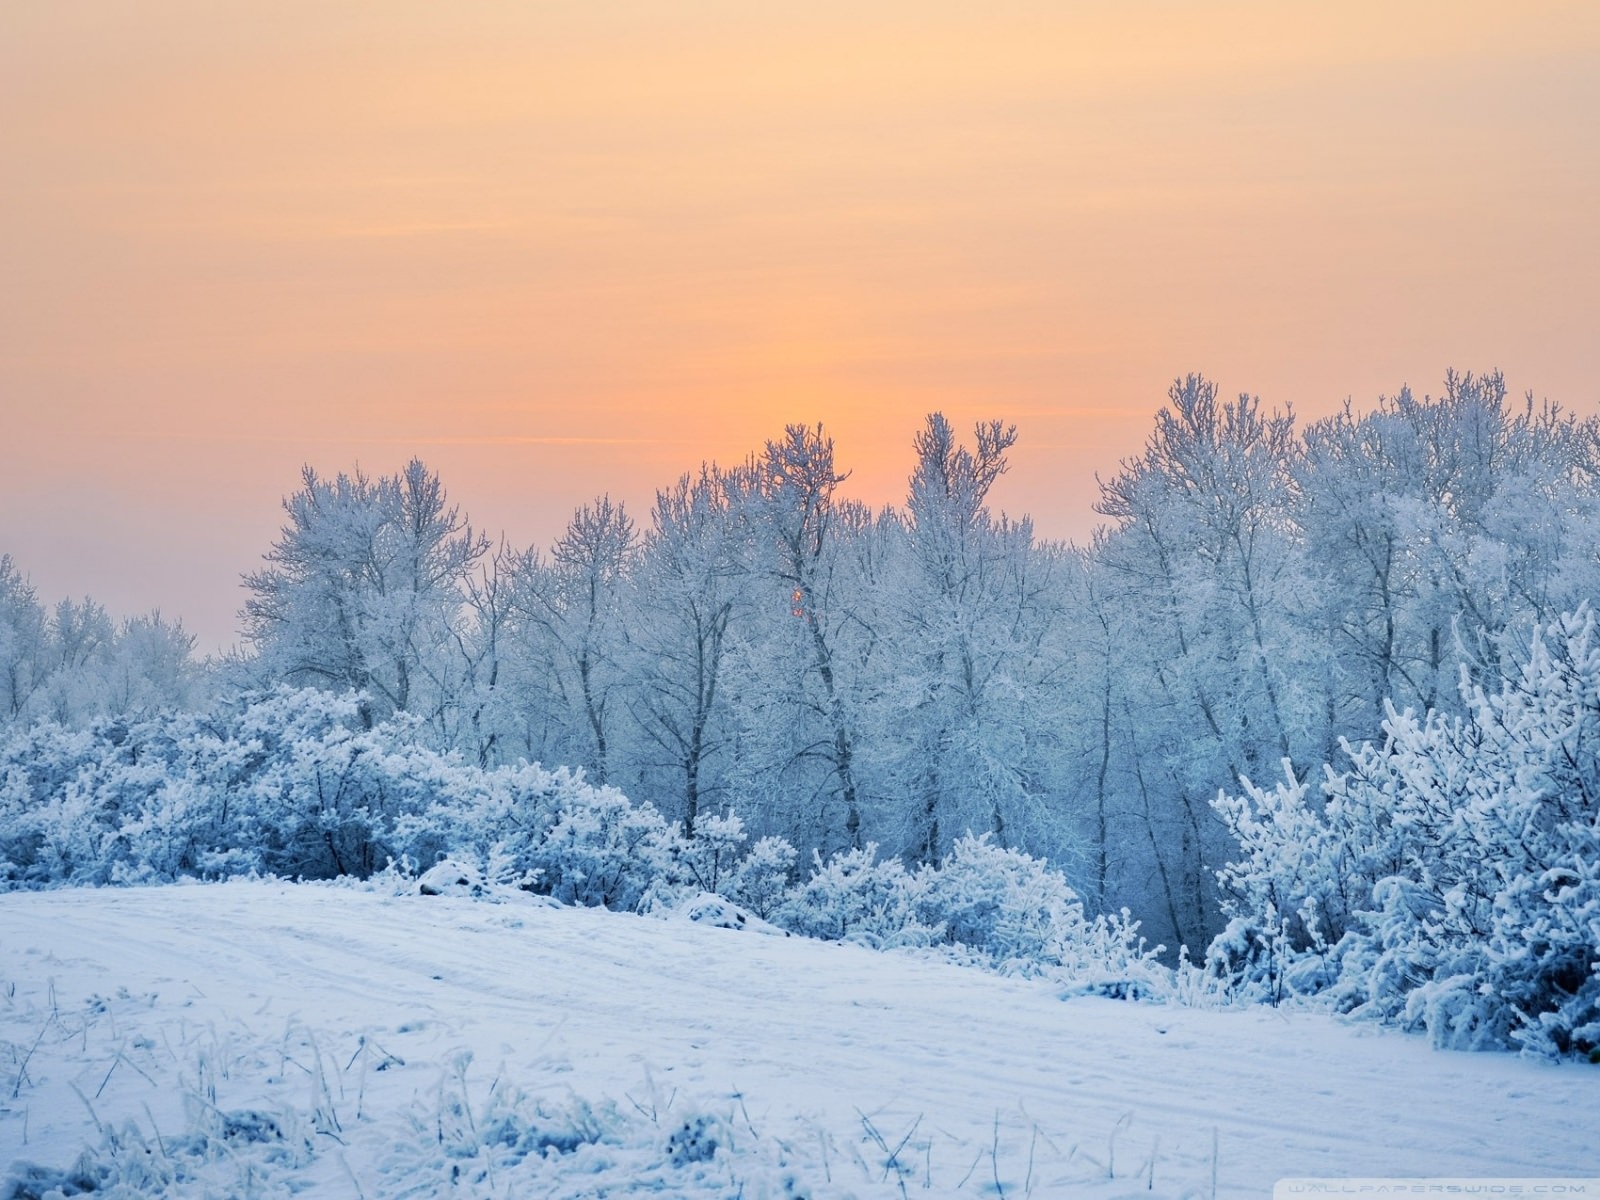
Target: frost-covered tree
point(970, 626)
point(73, 663)
point(1215, 682)
point(81, 636)
point(151, 666)
point(364, 587)
point(809, 656)
point(24, 651)
point(1432, 526)
point(579, 602)
point(476, 668)
point(688, 587)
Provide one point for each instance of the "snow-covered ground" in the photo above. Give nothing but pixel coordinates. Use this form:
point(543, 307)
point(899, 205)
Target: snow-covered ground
point(263, 1038)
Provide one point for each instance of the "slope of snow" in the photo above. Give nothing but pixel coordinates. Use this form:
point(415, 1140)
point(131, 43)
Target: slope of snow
point(268, 1038)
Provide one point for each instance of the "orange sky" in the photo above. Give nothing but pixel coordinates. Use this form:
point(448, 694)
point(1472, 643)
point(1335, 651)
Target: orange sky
point(560, 247)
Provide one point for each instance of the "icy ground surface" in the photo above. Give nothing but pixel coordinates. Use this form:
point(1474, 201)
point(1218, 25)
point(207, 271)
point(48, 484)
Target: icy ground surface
point(273, 1039)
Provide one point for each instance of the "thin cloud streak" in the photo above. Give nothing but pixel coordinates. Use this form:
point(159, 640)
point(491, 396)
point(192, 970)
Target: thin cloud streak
point(419, 440)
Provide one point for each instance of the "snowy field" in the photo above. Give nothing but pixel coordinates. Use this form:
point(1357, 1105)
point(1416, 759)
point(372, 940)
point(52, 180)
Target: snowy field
point(264, 1039)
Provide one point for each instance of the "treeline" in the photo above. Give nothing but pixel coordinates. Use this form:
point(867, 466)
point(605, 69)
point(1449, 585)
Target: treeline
point(73, 662)
point(760, 644)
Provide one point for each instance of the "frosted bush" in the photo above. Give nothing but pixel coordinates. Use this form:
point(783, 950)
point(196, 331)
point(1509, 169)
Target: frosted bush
point(710, 858)
point(761, 880)
point(854, 897)
point(291, 783)
point(1450, 879)
point(287, 782)
point(603, 850)
point(987, 905)
point(1106, 956)
point(496, 818)
point(1252, 960)
point(1010, 907)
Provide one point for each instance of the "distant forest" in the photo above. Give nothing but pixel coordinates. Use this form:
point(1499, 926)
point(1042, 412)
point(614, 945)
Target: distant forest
point(758, 644)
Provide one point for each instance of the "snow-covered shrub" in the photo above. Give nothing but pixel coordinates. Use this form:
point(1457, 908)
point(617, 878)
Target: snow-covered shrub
point(719, 912)
point(1005, 904)
point(604, 850)
point(176, 828)
point(1465, 855)
point(711, 856)
point(1254, 961)
point(496, 819)
point(297, 779)
point(854, 897)
point(1307, 864)
point(66, 796)
point(295, 783)
point(1106, 956)
point(554, 833)
point(989, 905)
point(761, 880)
point(288, 782)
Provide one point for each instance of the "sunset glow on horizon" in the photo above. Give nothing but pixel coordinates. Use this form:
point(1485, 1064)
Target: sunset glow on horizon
point(563, 249)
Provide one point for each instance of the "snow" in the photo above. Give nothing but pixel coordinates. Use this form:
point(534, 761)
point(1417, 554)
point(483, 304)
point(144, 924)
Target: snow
point(266, 1038)
point(708, 908)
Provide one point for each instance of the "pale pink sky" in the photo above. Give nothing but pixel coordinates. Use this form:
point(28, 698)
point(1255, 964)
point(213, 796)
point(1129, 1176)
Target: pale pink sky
point(569, 247)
